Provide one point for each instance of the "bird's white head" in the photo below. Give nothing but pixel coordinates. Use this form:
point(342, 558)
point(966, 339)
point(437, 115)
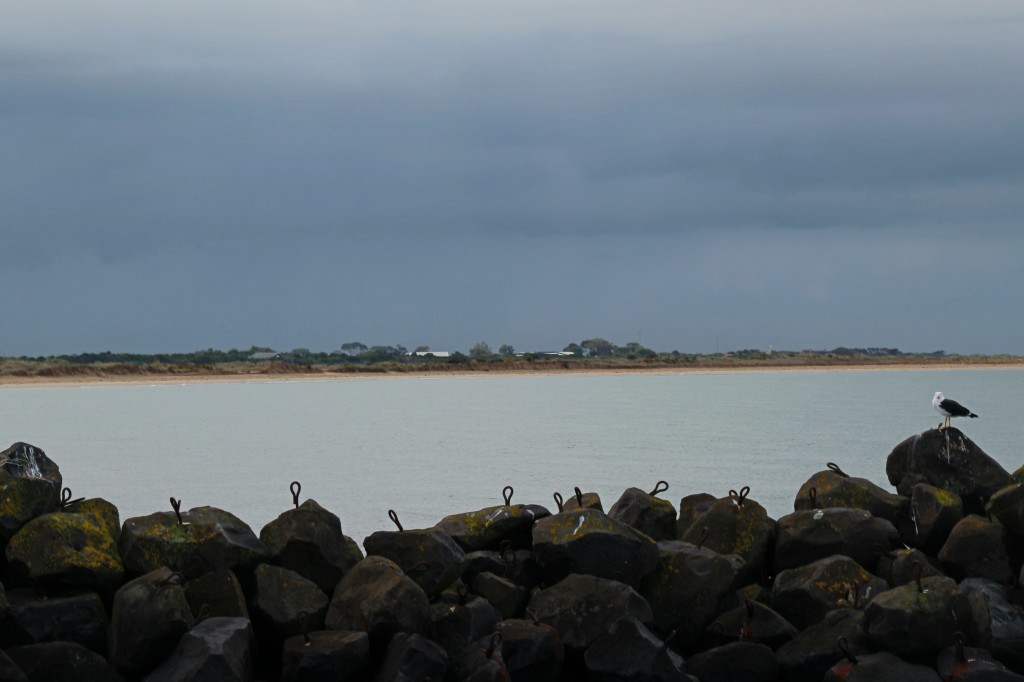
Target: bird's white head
point(938, 397)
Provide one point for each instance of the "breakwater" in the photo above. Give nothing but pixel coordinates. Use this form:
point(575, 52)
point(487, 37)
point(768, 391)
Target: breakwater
point(919, 580)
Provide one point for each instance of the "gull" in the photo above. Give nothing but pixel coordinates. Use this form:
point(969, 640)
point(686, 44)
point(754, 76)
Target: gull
point(949, 408)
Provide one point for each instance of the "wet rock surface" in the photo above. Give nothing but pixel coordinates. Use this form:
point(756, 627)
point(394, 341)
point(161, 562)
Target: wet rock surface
point(859, 582)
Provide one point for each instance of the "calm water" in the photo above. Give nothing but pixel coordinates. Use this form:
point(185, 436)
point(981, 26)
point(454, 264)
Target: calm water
point(428, 447)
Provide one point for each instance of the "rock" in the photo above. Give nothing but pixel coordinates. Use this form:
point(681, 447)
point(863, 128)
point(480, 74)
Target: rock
point(806, 536)
point(9, 670)
point(934, 512)
point(583, 500)
point(208, 539)
point(309, 541)
point(968, 664)
point(507, 597)
point(590, 542)
point(911, 621)
point(735, 662)
point(105, 511)
point(642, 511)
point(1007, 505)
point(150, 615)
point(628, 652)
point(689, 587)
point(804, 595)
point(412, 658)
point(215, 649)
point(284, 604)
point(78, 618)
point(456, 625)
point(808, 656)
point(62, 662)
point(376, 597)
point(533, 652)
point(489, 527)
point(946, 459)
point(519, 566)
point(995, 622)
point(216, 594)
point(976, 548)
point(71, 550)
point(752, 622)
point(901, 566)
point(581, 608)
point(833, 488)
point(30, 485)
point(691, 508)
point(482, 661)
point(429, 556)
point(326, 656)
point(737, 525)
point(880, 667)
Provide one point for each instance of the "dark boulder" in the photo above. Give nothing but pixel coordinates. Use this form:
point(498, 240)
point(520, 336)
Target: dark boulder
point(806, 594)
point(582, 500)
point(412, 658)
point(217, 593)
point(589, 541)
point(488, 528)
point(581, 608)
point(519, 566)
point(995, 620)
point(284, 604)
point(806, 536)
point(150, 615)
point(833, 488)
point(946, 459)
point(737, 525)
point(79, 618)
point(961, 663)
point(808, 656)
point(69, 550)
point(429, 556)
point(215, 649)
point(880, 667)
point(901, 566)
point(629, 652)
point(1007, 505)
point(309, 541)
point(735, 662)
point(207, 539)
point(105, 511)
point(507, 597)
point(976, 548)
point(533, 652)
point(751, 622)
point(62, 662)
point(30, 485)
point(647, 513)
point(9, 670)
point(456, 624)
point(688, 588)
point(934, 512)
point(481, 661)
point(914, 621)
point(376, 597)
point(326, 656)
point(690, 509)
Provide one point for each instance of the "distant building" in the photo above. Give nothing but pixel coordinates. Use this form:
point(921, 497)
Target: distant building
point(272, 355)
point(431, 354)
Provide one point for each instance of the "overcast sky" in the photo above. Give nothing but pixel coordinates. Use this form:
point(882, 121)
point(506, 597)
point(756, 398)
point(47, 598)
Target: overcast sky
point(796, 174)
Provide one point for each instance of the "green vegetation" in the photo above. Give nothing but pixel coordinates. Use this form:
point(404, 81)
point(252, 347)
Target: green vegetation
point(355, 356)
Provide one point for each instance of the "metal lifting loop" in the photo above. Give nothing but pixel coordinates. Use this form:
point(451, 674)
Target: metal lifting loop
point(659, 487)
point(579, 496)
point(558, 500)
point(506, 492)
point(176, 504)
point(393, 515)
point(296, 488)
point(835, 467)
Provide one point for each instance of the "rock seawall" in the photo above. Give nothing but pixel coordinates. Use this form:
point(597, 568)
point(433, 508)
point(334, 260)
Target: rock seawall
point(858, 583)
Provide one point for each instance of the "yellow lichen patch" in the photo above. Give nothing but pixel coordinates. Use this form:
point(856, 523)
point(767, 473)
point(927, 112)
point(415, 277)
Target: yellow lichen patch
point(68, 548)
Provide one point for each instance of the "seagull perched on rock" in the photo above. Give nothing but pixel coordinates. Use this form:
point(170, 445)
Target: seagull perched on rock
point(949, 408)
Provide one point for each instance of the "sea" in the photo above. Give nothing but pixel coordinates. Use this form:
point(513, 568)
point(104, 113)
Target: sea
point(427, 447)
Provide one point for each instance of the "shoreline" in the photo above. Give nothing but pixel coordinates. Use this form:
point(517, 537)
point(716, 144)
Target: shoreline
point(12, 381)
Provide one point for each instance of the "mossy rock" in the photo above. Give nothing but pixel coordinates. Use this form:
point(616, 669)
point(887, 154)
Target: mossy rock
point(736, 525)
point(833, 489)
point(488, 528)
point(934, 511)
point(208, 539)
point(914, 621)
point(30, 485)
point(647, 513)
point(805, 595)
point(429, 556)
point(75, 550)
point(103, 510)
point(806, 536)
point(1007, 505)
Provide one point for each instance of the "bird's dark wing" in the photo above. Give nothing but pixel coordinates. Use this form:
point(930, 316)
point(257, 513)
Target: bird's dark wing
point(954, 408)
